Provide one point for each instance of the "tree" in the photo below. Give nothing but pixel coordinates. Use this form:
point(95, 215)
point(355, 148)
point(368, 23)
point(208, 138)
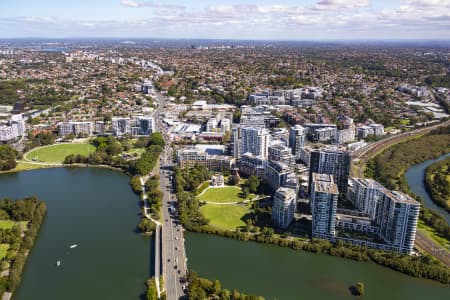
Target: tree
point(359, 289)
point(245, 193)
point(8, 157)
point(233, 180)
point(146, 226)
point(253, 183)
point(216, 287)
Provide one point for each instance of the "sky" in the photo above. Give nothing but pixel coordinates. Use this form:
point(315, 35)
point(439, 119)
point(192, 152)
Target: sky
point(227, 19)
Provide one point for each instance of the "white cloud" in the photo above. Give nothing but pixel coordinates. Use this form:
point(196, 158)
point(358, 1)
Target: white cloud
point(324, 19)
point(131, 3)
point(341, 4)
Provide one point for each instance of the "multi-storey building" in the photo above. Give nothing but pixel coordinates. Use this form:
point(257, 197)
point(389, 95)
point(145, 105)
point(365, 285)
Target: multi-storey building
point(323, 200)
point(276, 174)
point(225, 125)
point(6, 133)
point(18, 125)
point(12, 129)
point(297, 136)
point(397, 217)
point(76, 128)
point(284, 206)
point(345, 136)
point(250, 164)
point(334, 162)
point(139, 125)
point(99, 127)
point(255, 140)
point(365, 195)
point(146, 125)
point(278, 151)
point(236, 142)
point(121, 126)
point(190, 157)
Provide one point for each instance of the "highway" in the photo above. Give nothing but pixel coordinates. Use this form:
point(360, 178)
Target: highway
point(174, 261)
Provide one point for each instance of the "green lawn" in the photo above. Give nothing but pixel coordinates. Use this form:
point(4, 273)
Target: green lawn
point(3, 249)
point(57, 153)
point(431, 233)
point(225, 216)
point(6, 224)
point(223, 194)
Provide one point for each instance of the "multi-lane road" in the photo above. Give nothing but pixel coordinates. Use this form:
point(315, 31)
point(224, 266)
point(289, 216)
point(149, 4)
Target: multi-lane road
point(173, 255)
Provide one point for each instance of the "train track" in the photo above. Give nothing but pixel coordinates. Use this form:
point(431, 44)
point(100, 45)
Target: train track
point(363, 155)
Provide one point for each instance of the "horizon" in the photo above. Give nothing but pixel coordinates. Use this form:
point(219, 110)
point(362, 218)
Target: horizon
point(266, 20)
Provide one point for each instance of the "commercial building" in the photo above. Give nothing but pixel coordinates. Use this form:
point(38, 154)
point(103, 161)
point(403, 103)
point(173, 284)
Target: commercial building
point(323, 201)
point(284, 206)
point(332, 161)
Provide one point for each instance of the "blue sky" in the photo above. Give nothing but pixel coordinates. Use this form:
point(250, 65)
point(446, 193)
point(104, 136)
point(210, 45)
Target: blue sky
point(264, 19)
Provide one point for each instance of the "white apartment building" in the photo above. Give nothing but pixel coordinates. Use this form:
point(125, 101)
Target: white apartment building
point(284, 206)
point(323, 200)
point(76, 128)
point(255, 141)
point(366, 194)
point(297, 136)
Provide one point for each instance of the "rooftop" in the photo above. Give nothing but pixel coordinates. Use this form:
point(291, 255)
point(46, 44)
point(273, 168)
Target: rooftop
point(324, 183)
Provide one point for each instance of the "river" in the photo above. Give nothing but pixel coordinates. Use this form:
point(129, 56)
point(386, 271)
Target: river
point(281, 273)
point(415, 176)
point(96, 209)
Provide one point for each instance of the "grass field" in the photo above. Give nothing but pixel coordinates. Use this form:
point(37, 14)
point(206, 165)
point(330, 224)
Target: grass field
point(223, 194)
point(431, 233)
point(3, 249)
point(57, 153)
point(225, 216)
point(6, 224)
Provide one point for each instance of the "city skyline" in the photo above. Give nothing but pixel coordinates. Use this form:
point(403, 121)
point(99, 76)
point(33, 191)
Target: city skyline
point(215, 19)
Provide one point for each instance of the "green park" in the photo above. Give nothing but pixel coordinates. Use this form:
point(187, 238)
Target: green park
point(58, 152)
point(225, 216)
point(224, 207)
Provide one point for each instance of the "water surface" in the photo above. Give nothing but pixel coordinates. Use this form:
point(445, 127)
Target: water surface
point(96, 209)
point(415, 176)
point(281, 273)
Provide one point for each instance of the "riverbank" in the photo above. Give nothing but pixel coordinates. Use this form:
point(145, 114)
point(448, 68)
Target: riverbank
point(24, 220)
point(437, 183)
point(282, 273)
point(419, 266)
point(390, 166)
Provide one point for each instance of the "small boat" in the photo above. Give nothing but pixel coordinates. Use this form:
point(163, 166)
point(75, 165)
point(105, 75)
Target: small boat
point(58, 263)
point(73, 246)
